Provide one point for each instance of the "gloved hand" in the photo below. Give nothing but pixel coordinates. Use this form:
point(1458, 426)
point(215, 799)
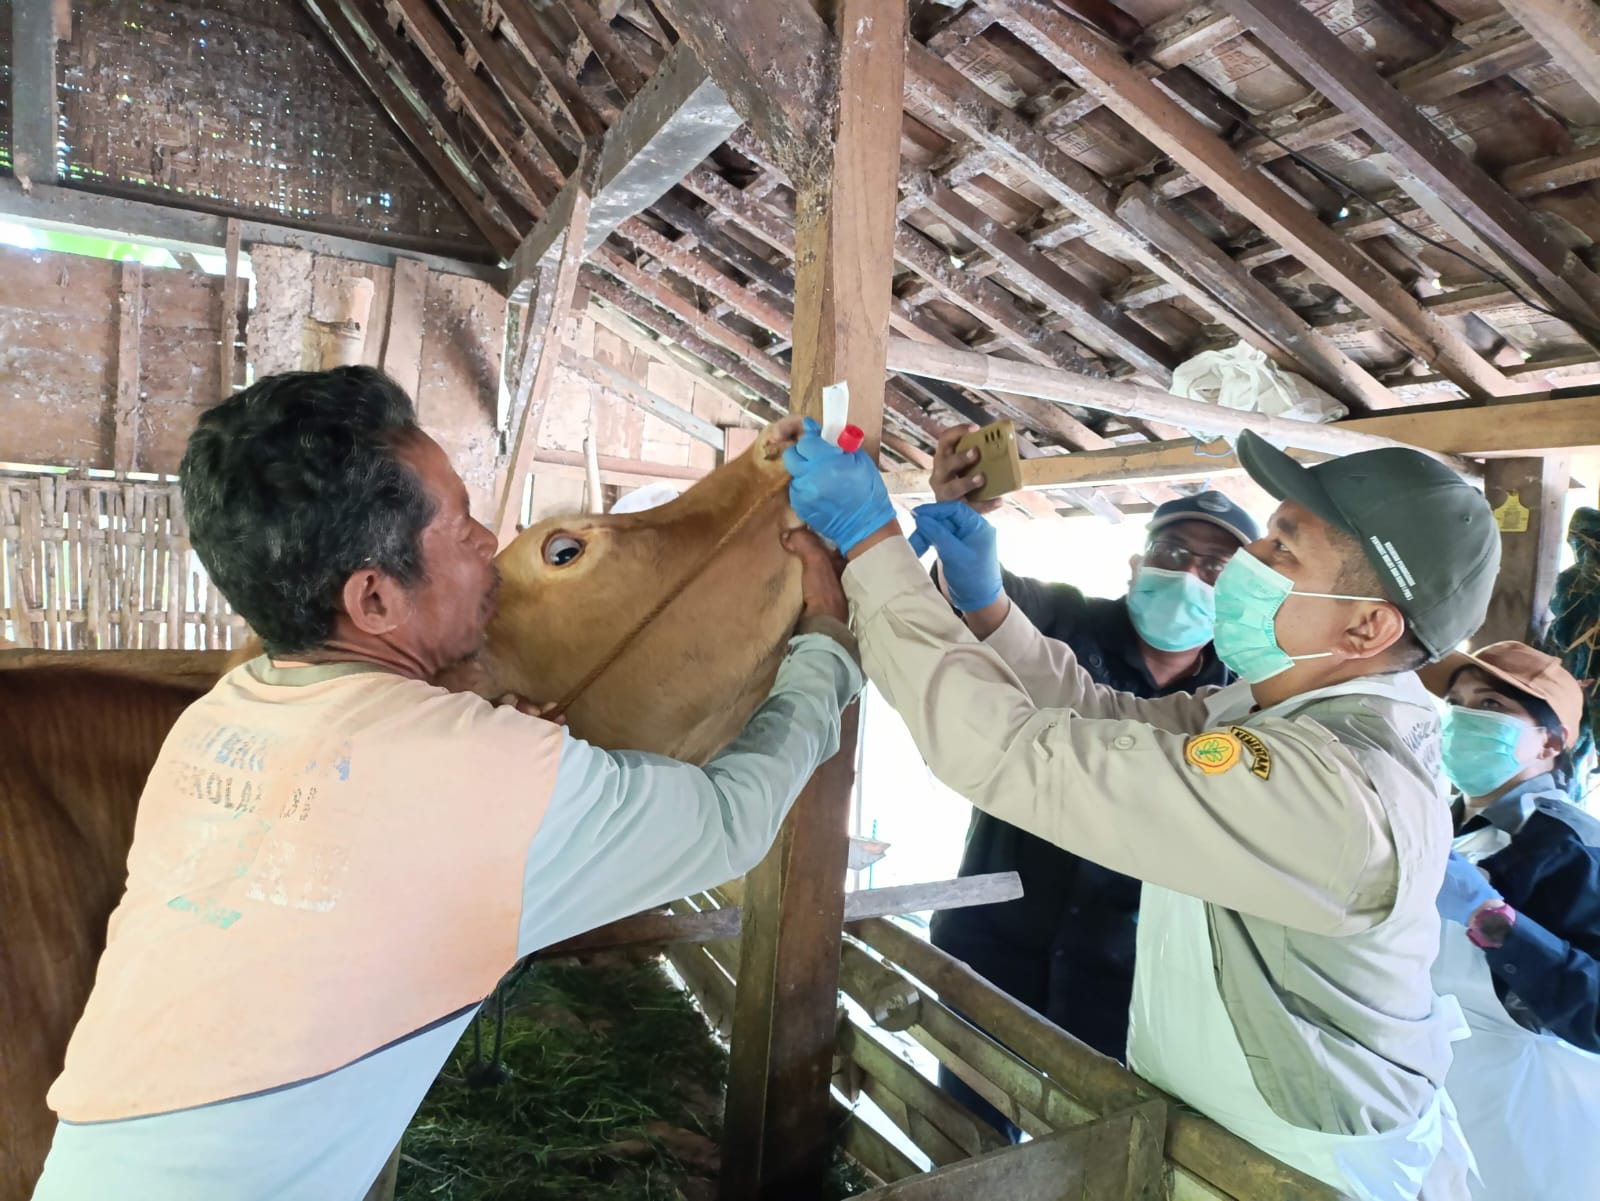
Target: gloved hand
point(1463, 891)
point(841, 496)
point(968, 557)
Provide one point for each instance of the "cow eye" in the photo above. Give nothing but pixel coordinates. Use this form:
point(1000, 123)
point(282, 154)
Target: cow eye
point(562, 549)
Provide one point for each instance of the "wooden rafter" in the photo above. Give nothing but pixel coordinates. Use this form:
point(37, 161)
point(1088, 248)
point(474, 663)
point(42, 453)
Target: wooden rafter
point(521, 18)
point(538, 183)
point(1083, 54)
point(775, 61)
point(666, 130)
point(1570, 31)
point(1421, 148)
point(447, 162)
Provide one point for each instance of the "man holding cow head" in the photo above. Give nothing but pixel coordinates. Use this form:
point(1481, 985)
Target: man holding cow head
point(334, 860)
point(1290, 828)
point(1066, 948)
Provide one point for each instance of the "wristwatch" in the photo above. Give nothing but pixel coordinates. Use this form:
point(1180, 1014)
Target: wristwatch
point(1489, 926)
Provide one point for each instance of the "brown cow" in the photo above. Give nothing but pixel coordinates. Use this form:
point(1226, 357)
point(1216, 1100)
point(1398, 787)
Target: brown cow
point(75, 748)
point(572, 587)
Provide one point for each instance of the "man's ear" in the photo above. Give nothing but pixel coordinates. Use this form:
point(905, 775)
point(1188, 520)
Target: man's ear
point(1377, 626)
point(374, 602)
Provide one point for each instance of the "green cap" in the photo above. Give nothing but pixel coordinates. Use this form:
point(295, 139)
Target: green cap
point(1427, 532)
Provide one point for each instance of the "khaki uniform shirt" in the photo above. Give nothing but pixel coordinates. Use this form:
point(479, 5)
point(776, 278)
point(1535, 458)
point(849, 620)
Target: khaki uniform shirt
point(1316, 831)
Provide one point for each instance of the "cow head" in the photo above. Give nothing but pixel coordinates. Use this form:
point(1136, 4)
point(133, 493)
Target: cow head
point(572, 588)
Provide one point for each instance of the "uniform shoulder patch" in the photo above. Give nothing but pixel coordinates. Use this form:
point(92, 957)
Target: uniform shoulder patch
point(1260, 756)
point(1213, 752)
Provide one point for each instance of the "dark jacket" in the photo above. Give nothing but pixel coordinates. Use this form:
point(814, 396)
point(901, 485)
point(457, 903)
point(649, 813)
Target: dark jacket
point(1066, 946)
point(1548, 972)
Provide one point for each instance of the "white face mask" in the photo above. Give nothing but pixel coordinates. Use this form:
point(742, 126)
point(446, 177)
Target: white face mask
point(1249, 595)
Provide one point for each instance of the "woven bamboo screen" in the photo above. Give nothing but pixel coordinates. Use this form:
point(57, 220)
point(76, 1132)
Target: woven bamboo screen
point(102, 564)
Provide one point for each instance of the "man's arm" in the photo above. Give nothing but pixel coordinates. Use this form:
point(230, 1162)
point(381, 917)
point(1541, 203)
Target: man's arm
point(1292, 833)
point(627, 830)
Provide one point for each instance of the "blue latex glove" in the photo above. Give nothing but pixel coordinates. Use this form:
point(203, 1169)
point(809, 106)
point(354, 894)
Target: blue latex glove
point(1463, 891)
point(968, 557)
point(841, 496)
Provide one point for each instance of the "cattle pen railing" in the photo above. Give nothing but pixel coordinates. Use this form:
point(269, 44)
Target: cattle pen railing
point(1098, 1130)
point(96, 562)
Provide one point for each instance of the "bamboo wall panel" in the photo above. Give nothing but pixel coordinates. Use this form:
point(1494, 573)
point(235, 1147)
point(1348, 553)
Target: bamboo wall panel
point(104, 564)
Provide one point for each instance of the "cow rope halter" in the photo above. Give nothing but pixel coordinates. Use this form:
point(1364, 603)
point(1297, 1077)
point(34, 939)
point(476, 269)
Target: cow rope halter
point(660, 607)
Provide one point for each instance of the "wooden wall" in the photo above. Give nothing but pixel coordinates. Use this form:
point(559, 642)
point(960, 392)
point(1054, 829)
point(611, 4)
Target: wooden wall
point(64, 348)
point(243, 104)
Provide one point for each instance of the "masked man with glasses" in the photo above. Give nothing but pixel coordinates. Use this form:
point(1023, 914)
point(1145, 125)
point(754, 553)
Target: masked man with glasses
point(1290, 828)
point(1066, 946)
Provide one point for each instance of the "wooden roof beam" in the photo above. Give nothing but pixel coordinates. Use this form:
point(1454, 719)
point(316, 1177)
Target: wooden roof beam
point(1570, 31)
point(667, 130)
point(1504, 430)
point(607, 47)
point(1081, 53)
point(519, 17)
point(1317, 55)
point(497, 60)
point(410, 115)
point(477, 97)
point(1052, 285)
point(776, 60)
point(1323, 362)
point(35, 105)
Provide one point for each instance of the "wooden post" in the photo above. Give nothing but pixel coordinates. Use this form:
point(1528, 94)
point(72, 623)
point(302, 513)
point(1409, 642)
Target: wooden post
point(1527, 496)
point(35, 109)
point(228, 323)
point(402, 347)
point(125, 449)
point(776, 1142)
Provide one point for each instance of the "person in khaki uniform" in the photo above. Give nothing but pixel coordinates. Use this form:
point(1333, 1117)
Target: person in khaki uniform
point(1290, 828)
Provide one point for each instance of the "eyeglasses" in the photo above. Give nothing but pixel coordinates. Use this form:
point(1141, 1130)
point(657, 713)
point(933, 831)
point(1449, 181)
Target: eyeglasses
point(1174, 556)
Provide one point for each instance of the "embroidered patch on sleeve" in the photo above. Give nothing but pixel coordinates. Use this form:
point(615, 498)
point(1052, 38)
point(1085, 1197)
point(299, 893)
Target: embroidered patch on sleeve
point(1212, 752)
point(1260, 756)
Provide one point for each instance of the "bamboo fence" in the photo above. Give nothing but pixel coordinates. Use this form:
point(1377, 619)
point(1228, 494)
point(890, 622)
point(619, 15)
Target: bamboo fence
point(98, 563)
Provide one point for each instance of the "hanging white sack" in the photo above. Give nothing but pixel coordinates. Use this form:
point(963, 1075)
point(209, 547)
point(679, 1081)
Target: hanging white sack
point(1243, 378)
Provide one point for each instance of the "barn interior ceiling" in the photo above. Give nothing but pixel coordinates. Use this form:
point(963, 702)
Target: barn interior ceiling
point(1395, 199)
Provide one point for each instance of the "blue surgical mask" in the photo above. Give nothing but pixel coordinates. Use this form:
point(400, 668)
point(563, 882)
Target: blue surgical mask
point(1249, 595)
point(1172, 610)
point(1480, 748)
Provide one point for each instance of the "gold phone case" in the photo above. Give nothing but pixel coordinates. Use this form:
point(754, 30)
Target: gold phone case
point(998, 460)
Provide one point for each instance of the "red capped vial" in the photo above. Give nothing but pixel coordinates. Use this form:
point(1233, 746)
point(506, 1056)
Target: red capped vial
point(851, 438)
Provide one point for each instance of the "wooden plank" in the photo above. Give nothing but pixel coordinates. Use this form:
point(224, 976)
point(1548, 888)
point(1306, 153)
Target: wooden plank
point(969, 1134)
point(1530, 545)
point(665, 131)
point(523, 21)
point(646, 929)
point(402, 343)
point(1321, 58)
point(1116, 1158)
point(775, 61)
point(35, 106)
point(1193, 1142)
point(552, 301)
point(613, 56)
point(350, 37)
point(624, 473)
point(1569, 30)
point(1096, 66)
point(228, 321)
point(1309, 352)
point(776, 1142)
point(129, 411)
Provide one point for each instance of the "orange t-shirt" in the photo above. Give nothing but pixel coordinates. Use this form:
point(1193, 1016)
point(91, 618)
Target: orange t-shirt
point(321, 864)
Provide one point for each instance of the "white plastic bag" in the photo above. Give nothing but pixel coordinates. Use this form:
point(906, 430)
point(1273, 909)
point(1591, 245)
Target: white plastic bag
point(1242, 377)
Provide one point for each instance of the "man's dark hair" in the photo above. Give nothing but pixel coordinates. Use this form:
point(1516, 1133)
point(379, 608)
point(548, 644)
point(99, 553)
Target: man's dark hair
point(292, 485)
point(1358, 577)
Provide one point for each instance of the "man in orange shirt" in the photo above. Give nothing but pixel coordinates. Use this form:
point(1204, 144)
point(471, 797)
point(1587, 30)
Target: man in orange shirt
point(334, 861)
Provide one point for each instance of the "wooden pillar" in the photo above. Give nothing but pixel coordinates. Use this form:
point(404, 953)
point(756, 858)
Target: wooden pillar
point(130, 308)
point(228, 321)
point(35, 108)
point(776, 1143)
point(1528, 497)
